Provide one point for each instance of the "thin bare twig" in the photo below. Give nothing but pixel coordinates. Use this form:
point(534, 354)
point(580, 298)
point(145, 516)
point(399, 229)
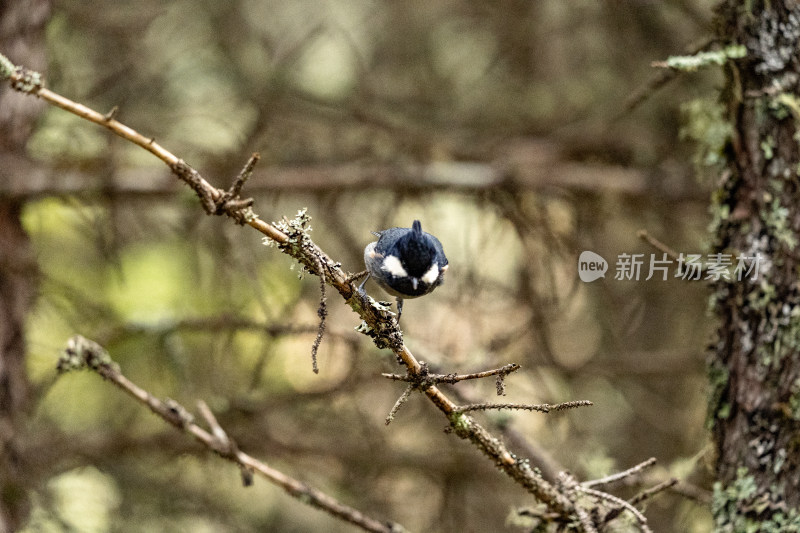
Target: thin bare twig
point(322, 313)
point(576, 489)
point(658, 245)
point(692, 492)
point(641, 497)
point(229, 203)
point(659, 80)
point(620, 475)
point(357, 276)
point(600, 495)
point(223, 440)
point(400, 401)
point(672, 254)
point(424, 379)
point(244, 175)
point(543, 407)
point(82, 353)
point(652, 491)
point(455, 378)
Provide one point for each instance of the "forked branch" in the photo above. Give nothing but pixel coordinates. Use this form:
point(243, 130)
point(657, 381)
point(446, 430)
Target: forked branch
point(82, 353)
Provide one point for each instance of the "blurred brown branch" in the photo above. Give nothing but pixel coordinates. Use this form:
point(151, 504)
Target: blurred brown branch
point(82, 353)
point(527, 164)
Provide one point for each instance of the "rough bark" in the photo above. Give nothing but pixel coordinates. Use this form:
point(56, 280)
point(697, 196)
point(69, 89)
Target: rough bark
point(755, 363)
point(21, 38)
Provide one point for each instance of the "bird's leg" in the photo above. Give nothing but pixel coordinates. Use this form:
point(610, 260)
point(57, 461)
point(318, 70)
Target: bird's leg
point(399, 309)
point(361, 287)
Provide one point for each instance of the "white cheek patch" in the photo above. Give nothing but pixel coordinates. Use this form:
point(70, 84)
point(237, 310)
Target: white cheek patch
point(393, 266)
point(431, 275)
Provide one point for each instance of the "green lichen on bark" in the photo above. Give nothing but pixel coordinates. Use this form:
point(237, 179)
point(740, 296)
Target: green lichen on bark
point(740, 507)
point(705, 126)
point(754, 366)
point(705, 59)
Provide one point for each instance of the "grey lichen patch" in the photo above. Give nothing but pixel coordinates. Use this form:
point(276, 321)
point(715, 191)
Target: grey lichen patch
point(23, 80)
point(775, 43)
point(383, 333)
point(784, 336)
point(300, 224)
point(248, 215)
point(298, 243)
point(81, 353)
point(28, 82)
point(301, 269)
point(364, 328)
point(297, 229)
point(385, 308)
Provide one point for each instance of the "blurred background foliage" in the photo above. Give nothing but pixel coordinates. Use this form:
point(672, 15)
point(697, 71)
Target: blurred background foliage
point(508, 128)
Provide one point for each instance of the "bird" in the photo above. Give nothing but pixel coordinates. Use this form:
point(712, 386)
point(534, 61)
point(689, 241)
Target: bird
point(406, 263)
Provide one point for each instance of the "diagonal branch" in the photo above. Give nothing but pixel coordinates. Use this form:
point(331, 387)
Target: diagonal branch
point(82, 353)
point(291, 238)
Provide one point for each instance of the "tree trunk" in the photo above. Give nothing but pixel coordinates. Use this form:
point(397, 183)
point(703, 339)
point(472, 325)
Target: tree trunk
point(755, 364)
point(21, 38)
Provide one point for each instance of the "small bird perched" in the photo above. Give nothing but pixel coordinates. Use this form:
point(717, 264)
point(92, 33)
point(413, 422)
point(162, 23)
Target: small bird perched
point(406, 262)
